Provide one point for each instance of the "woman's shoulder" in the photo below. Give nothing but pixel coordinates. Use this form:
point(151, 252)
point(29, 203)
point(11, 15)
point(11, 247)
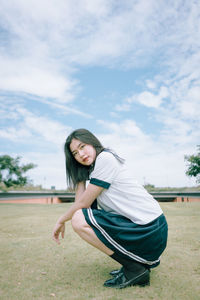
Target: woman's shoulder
point(106, 156)
point(105, 167)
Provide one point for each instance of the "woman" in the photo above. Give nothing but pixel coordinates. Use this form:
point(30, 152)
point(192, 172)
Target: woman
point(129, 225)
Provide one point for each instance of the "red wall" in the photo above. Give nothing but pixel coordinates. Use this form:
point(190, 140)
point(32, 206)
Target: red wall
point(47, 200)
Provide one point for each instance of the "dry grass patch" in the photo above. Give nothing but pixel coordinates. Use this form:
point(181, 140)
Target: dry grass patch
point(33, 267)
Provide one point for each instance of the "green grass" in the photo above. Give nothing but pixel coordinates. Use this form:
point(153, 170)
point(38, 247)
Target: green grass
point(32, 266)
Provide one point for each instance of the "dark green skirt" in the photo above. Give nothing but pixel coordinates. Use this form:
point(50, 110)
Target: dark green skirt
point(142, 243)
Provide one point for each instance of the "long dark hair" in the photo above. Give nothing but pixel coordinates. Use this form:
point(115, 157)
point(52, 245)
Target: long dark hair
point(74, 170)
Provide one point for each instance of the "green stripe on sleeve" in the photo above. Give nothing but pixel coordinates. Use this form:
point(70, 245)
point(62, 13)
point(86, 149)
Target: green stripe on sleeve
point(101, 183)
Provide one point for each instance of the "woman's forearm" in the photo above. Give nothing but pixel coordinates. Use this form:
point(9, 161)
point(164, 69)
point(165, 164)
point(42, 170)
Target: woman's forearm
point(75, 206)
point(84, 199)
point(80, 190)
point(68, 215)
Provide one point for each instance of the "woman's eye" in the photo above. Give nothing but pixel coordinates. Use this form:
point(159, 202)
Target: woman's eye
point(82, 146)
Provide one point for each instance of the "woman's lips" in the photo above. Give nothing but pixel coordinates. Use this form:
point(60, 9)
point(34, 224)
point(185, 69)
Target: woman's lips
point(85, 159)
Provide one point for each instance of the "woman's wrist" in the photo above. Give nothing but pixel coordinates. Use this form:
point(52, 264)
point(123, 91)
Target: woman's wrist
point(61, 220)
point(68, 214)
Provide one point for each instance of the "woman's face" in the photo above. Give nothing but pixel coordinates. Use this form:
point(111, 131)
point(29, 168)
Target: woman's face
point(85, 154)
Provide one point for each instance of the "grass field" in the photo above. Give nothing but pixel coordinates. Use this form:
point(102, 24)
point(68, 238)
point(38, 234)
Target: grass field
point(32, 266)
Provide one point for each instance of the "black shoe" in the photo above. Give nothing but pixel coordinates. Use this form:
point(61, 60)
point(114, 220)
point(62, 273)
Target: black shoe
point(116, 272)
point(120, 281)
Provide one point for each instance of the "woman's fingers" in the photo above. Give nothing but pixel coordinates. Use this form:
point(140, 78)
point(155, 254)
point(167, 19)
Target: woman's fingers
point(59, 228)
point(56, 237)
point(63, 233)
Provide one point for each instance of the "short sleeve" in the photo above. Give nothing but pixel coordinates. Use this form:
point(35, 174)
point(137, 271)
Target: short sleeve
point(105, 170)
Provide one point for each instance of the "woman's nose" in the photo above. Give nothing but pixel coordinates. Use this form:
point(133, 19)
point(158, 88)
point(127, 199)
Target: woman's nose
point(81, 153)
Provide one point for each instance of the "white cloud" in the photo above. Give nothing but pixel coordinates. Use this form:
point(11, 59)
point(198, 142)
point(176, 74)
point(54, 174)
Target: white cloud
point(58, 35)
point(148, 99)
point(114, 114)
point(150, 160)
point(151, 84)
point(50, 170)
point(128, 126)
point(20, 75)
point(32, 128)
point(14, 135)
point(122, 107)
point(63, 108)
point(124, 134)
point(44, 43)
point(190, 106)
point(103, 30)
point(51, 131)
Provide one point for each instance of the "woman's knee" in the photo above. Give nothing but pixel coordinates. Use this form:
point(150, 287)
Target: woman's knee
point(78, 220)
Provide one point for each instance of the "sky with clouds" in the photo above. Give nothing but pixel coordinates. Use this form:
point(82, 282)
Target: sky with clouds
point(126, 70)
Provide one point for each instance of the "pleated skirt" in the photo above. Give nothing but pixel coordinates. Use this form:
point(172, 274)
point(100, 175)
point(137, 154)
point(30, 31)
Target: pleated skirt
point(142, 243)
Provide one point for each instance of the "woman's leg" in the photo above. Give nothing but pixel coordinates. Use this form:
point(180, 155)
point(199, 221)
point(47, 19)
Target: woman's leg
point(131, 275)
point(81, 227)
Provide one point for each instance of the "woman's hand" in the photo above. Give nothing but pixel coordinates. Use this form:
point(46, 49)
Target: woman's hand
point(59, 228)
point(84, 199)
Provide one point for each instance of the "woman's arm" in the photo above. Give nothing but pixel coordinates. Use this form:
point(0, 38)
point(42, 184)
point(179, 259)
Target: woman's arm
point(80, 189)
point(84, 198)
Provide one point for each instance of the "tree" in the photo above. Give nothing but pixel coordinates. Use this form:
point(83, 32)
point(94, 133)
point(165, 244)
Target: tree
point(194, 165)
point(11, 173)
point(149, 187)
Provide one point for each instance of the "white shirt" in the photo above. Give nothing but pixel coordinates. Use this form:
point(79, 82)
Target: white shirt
point(122, 194)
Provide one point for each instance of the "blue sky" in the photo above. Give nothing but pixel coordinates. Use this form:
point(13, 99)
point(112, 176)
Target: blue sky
point(126, 70)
